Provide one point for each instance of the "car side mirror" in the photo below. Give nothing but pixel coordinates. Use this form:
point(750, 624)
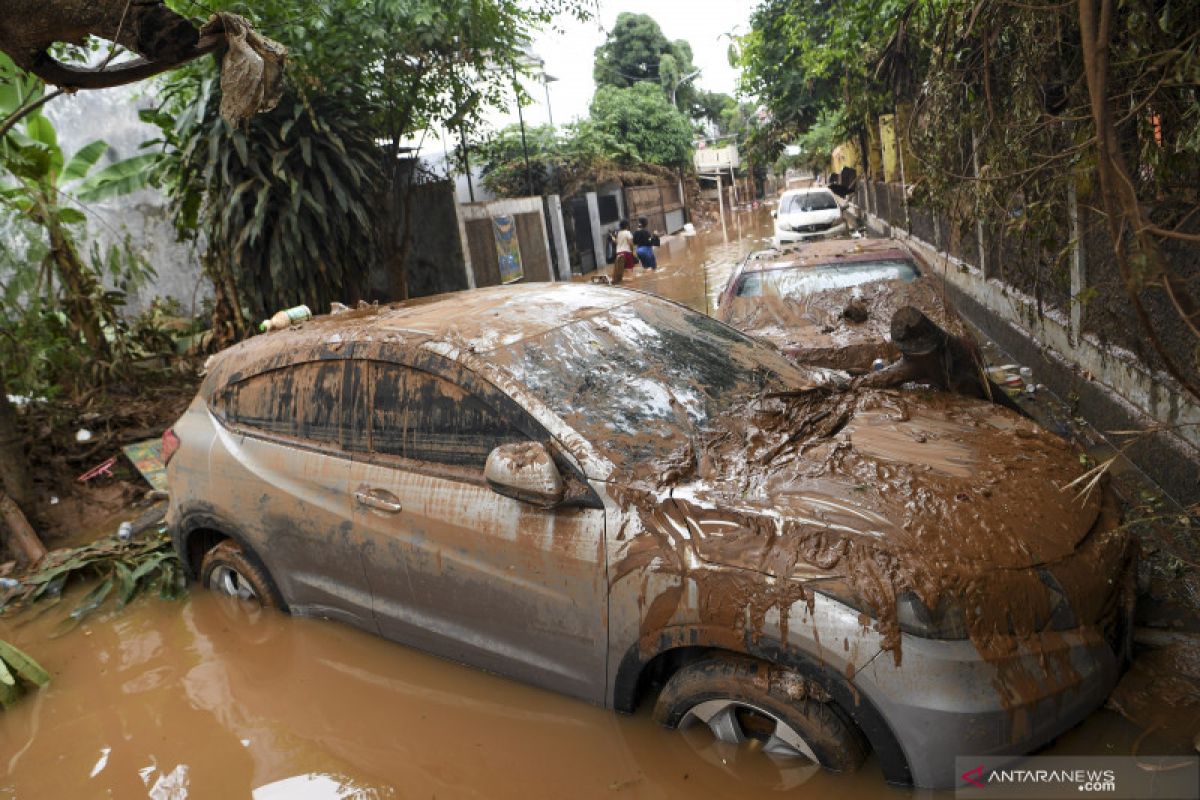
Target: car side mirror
point(524, 471)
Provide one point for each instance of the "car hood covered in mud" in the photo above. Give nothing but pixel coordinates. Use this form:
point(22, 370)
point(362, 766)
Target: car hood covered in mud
point(830, 320)
point(954, 500)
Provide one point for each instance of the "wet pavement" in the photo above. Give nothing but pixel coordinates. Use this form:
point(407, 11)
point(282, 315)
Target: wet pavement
point(205, 698)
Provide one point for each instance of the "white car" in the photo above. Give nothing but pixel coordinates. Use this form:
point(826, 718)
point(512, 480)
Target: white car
point(809, 213)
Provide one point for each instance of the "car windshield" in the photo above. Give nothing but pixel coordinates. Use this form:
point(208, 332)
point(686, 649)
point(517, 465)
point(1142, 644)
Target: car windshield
point(801, 281)
point(809, 201)
point(640, 380)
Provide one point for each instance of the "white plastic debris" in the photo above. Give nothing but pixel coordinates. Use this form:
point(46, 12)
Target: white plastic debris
point(54, 500)
point(125, 531)
point(83, 435)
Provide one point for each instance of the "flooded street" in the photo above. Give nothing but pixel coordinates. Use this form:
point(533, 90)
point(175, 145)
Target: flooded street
point(205, 698)
point(693, 269)
point(192, 699)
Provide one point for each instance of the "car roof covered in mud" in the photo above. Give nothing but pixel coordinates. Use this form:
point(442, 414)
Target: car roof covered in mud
point(826, 251)
point(479, 320)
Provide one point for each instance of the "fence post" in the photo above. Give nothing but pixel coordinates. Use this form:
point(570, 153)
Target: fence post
point(468, 268)
point(558, 234)
point(979, 245)
point(598, 252)
point(1078, 263)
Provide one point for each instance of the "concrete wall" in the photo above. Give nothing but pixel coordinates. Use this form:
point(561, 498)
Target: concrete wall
point(532, 236)
point(435, 256)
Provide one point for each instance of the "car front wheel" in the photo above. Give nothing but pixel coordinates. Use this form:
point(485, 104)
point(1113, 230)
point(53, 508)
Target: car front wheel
point(226, 570)
point(748, 703)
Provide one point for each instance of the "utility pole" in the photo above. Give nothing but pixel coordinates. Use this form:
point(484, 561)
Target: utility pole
point(521, 122)
point(462, 138)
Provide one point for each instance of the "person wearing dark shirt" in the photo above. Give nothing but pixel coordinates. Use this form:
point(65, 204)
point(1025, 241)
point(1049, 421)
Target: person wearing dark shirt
point(645, 241)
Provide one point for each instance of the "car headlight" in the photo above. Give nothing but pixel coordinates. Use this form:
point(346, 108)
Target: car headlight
point(947, 621)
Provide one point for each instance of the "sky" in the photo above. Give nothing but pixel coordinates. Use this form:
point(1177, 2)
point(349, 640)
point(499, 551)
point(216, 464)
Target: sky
point(569, 53)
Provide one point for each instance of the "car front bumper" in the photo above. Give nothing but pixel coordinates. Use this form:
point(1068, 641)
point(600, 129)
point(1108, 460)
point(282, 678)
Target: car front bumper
point(945, 699)
point(791, 237)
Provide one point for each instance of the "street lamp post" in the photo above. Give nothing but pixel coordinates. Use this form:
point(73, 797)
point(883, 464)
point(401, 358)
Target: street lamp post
point(548, 79)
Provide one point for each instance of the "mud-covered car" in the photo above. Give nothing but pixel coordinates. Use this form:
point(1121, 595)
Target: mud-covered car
point(809, 213)
point(609, 495)
point(830, 303)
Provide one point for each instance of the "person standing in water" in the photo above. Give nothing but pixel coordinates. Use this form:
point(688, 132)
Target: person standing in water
point(645, 241)
point(625, 258)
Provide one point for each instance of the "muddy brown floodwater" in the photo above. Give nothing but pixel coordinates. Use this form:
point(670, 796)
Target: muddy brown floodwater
point(194, 699)
point(201, 698)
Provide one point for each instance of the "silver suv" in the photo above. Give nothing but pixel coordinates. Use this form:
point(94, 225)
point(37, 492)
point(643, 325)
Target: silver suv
point(608, 495)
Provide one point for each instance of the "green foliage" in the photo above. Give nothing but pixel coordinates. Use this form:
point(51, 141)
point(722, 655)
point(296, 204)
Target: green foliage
point(636, 51)
point(121, 570)
point(805, 58)
point(291, 206)
point(642, 125)
point(288, 203)
point(60, 324)
point(18, 671)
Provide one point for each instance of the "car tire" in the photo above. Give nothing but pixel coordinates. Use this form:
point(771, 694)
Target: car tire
point(226, 569)
point(741, 699)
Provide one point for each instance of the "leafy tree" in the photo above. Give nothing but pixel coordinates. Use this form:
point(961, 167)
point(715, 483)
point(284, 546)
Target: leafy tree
point(40, 178)
point(717, 108)
point(292, 205)
point(636, 51)
point(804, 58)
point(643, 124)
point(286, 205)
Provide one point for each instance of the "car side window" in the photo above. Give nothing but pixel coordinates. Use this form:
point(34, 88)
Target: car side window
point(418, 415)
point(300, 402)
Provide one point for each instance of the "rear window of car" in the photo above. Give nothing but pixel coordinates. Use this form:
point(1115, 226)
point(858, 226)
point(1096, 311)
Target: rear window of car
point(417, 415)
point(801, 281)
point(808, 201)
point(300, 402)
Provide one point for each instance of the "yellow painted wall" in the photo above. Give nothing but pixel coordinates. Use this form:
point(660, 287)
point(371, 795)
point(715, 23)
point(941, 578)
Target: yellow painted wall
point(912, 167)
point(887, 142)
point(845, 155)
point(874, 150)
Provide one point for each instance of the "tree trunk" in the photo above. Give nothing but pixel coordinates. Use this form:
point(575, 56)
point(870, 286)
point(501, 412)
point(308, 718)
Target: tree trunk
point(15, 478)
point(81, 290)
point(21, 540)
point(29, 28)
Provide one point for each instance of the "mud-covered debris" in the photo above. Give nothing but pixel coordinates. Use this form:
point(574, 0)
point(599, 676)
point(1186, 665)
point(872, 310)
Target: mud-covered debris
point(251, 68)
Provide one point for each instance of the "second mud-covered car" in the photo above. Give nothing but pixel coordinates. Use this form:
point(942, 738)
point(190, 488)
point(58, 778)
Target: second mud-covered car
point(611, 496)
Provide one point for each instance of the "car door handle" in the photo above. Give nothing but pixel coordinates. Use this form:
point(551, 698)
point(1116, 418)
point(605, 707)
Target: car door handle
point(378, 499)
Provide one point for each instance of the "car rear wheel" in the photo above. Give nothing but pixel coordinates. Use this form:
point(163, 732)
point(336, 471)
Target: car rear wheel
point(746, 704)
point(226, 570)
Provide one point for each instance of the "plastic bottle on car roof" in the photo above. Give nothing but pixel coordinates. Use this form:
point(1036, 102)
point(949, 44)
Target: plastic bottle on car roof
point(286, 318)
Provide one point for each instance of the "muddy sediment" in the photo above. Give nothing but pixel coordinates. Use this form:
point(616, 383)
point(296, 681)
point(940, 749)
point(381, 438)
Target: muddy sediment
point(962, 504)
point(839, 329)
